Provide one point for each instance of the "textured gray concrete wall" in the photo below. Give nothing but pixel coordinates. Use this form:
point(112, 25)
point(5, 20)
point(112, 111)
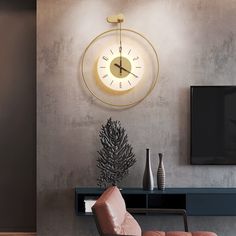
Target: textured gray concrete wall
point(196, 41)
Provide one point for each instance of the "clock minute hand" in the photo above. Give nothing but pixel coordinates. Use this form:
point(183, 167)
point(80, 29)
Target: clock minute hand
point(117, 65)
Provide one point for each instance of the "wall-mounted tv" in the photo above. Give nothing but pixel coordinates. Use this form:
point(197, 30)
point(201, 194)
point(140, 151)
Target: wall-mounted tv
point(213, 125)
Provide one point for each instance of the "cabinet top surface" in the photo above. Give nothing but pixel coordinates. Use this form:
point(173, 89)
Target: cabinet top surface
point(94, 190)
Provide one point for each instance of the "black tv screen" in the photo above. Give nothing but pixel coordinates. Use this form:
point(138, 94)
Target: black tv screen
point(213, 125)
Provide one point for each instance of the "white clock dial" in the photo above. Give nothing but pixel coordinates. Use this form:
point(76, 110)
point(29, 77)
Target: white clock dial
point(120, 72)
point(120, 83)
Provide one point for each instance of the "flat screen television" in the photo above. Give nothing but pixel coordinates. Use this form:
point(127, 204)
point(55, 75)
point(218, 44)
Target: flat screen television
point(213, 125)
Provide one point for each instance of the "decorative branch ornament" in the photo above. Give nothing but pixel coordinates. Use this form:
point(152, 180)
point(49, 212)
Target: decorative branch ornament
point(116, 156)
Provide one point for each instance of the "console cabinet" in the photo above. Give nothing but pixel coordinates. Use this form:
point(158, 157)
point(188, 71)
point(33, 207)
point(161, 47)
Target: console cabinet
point(196, 201)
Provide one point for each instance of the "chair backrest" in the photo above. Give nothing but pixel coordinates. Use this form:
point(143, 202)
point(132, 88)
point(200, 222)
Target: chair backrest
point(111, 215)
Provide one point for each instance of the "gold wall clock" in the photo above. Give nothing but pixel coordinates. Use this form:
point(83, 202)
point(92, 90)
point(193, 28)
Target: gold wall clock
point(120, 66)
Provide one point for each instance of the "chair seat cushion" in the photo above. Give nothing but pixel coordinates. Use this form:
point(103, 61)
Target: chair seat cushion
point(178, 233)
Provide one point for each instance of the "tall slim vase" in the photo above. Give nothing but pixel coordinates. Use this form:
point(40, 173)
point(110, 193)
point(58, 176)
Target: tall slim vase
point(148, 183)
point(161, 173)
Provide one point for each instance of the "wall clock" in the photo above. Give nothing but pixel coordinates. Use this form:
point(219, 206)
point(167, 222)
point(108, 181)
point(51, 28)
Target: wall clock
point(120, 66)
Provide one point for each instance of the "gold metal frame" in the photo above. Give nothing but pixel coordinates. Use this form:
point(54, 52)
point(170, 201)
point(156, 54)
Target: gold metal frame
point(128, 104)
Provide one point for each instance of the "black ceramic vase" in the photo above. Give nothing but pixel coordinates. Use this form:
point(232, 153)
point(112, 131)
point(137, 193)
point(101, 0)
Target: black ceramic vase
point(148, 183)
point(161, 173)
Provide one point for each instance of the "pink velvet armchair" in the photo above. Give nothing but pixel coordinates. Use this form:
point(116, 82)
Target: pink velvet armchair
point(112, 218)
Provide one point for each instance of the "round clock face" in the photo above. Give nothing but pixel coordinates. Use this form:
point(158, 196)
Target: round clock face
point(120, 79)
point(120, 71)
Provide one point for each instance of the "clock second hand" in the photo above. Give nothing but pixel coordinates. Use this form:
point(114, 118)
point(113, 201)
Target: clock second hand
point(122, 68)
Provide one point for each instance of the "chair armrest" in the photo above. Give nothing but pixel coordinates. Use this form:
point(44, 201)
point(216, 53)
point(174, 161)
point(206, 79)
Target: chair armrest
point(163, 211)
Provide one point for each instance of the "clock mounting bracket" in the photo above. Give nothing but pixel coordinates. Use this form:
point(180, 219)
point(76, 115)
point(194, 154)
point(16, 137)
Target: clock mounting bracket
point(115, 18)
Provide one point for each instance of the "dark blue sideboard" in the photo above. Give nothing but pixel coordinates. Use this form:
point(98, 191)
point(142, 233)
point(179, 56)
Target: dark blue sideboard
point(196, 201)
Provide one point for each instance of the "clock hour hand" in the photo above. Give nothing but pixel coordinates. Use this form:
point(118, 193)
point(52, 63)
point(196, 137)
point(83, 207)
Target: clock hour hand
point(121, 67)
